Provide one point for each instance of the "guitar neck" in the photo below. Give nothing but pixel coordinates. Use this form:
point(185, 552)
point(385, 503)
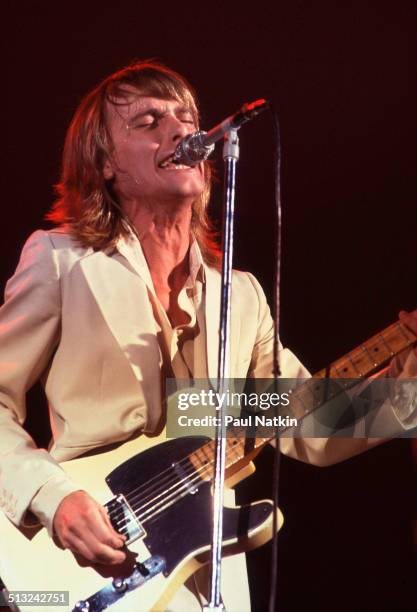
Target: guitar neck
point(372, 355)
point(363, 361)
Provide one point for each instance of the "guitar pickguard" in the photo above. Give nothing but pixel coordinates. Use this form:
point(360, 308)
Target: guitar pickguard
point(184, 526)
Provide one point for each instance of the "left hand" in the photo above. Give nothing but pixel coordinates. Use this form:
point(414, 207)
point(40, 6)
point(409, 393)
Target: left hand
point(410, 320)
point(405, 363)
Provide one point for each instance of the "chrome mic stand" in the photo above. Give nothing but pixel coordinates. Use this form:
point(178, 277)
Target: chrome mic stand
point(230, 157)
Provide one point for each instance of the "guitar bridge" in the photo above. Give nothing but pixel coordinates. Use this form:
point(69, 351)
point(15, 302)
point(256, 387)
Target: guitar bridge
point(123, 519)
point(120, 587)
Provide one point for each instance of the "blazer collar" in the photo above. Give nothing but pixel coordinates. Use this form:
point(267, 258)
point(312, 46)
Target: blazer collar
point(130, 248)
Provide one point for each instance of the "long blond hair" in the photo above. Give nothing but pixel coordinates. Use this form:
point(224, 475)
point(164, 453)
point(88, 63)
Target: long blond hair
point(86, 203)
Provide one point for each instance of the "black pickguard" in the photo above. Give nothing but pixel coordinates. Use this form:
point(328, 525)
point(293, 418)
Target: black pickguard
point(185, 526)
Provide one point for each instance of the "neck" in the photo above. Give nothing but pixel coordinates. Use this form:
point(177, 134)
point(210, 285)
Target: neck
point(164, 234)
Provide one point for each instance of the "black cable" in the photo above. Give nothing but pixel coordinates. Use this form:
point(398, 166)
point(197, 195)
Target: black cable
point(276, 367)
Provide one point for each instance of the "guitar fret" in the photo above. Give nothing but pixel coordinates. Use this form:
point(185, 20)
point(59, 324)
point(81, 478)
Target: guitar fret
point(354, 366)
point(200, 456)
point(368, 354)
point(401, 328)
point(296, 411)
point(378, 350)
point(398, 339)
point(337, 369)
point(299, 396)
point(360, 362)
point(344, 372)
point(233, 447)
point(387, 345)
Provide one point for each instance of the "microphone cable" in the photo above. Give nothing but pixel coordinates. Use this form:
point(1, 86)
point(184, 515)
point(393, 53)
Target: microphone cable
point(276, 366)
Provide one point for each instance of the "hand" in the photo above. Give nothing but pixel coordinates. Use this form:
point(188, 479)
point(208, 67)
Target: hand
point(410, 320)
point(404, 365)
point(83, 526)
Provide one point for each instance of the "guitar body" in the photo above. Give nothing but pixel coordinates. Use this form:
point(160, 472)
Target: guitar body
point(173, 533)
point(158, 493)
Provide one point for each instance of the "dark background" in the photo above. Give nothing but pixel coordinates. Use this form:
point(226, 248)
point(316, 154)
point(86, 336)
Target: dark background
point(340, 76)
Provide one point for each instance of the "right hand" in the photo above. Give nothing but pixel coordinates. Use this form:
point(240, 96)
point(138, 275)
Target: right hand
point(83, 526)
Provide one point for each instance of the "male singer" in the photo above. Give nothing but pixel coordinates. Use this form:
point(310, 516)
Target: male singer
point(121, 295)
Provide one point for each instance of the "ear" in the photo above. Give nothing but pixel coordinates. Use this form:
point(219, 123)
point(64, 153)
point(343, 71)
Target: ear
point(108, 171)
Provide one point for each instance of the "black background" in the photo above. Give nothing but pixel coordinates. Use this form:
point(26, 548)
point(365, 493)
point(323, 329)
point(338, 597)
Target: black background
point(340, 76)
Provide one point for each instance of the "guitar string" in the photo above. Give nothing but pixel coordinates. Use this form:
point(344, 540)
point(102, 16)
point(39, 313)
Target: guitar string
point(203, 470)
point(168, 478)
point(186, 472)
point(165, 493)
point(160, 476)
point(182, 483)
point(155, 510)
point(167, 501)
point(187, 469)
point(178, 485)
point(158, 493)
point(175, 485)
point(340, 363)
point(164, 507)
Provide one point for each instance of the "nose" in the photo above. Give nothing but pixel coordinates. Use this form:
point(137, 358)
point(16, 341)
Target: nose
point(178, 129)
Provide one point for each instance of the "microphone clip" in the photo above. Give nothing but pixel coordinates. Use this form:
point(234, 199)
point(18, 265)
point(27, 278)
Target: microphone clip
point(192, 149)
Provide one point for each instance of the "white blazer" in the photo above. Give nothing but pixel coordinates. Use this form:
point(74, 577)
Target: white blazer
point(82, 321)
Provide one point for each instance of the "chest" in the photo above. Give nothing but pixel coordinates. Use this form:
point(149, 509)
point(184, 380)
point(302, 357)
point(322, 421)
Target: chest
point(168, 300)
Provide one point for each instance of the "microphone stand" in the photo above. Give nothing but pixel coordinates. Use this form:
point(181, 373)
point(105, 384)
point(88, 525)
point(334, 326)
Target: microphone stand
point(230, 157)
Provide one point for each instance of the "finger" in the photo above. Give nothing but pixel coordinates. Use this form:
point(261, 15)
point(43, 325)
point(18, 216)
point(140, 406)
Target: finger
point(95, 551)
point(102, 529)
point(405, 313)
point(106, 517)
point(410, 319)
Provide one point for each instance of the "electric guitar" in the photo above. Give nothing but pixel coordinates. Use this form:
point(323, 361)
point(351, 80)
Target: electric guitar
point(158, 494)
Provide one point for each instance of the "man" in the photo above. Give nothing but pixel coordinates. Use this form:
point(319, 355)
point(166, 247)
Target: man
point(123, 294)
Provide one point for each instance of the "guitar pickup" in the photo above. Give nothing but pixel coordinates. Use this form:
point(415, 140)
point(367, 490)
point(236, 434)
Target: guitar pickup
point(123, 519)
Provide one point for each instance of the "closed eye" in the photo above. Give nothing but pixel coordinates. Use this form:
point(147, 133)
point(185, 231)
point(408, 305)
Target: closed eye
point(153, 122)
point(151, 118)
point(148, 120)
point(186, 117)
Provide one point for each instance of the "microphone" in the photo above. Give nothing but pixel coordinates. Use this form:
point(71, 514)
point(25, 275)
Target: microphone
point(196, 147)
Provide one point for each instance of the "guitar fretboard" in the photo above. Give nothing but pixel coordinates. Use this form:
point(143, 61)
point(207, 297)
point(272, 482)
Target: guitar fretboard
point(363, 361)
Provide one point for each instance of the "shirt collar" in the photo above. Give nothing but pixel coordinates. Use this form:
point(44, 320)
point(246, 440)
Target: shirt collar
point(196, 262)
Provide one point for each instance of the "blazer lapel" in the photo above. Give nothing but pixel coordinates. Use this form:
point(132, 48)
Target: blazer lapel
point(122, 297)
point(131, 249)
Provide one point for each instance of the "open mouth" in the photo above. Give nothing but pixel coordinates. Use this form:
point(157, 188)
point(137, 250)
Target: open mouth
point(169, 164)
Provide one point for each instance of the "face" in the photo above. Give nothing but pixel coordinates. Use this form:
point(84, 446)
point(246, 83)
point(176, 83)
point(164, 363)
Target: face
point(145, 132)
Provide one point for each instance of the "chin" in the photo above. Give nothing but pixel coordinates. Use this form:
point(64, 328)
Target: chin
point(188, 191)
point(185, 197)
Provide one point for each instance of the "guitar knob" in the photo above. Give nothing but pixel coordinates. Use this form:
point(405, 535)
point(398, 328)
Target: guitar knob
point(119, 585)
point(82, 606)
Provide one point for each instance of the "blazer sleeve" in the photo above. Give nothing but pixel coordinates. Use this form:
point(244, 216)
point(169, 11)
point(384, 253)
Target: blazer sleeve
point(262, 355)
point(29, 333)
point(304, 447)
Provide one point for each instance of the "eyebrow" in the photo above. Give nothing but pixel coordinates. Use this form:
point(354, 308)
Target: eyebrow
point(158, 111)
